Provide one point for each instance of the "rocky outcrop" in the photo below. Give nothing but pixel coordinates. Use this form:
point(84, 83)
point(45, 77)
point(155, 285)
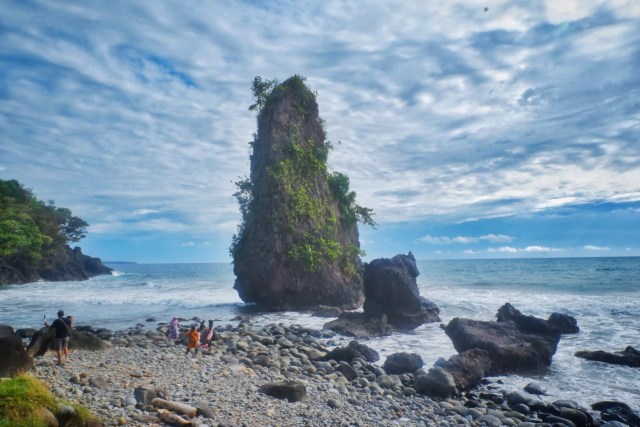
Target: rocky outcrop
point(402, 363)
point(391, 290)
point(628, 357)
point(63, 265)
point(557, 323)
point(289, 390)
point(515, 343)
point(298, 245)
point(42, 341)
point(13, 357)
point(352, 351)
point(359, 325)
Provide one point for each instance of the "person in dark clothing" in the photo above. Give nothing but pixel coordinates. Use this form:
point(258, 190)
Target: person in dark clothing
point(63, 327)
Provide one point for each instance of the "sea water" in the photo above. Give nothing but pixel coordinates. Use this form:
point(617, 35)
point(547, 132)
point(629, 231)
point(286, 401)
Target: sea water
point(603, 294)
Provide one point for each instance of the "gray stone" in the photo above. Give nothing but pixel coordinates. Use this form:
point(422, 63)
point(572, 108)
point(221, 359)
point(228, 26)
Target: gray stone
point(292, 391)
point(436, 383)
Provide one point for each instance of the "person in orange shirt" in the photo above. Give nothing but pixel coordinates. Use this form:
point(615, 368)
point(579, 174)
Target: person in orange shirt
point(194, 339)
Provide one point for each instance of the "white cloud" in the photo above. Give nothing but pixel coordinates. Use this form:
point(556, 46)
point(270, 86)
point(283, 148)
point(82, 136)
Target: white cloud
point(442, 109)
point(595, 248)
point(187, 244)
point(511, 249)
point(497, 238)
point(464, 240)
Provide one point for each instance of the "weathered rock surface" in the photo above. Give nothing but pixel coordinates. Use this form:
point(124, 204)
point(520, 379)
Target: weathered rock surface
point(351, 351)
point(13, 357)
point(359, 325)
point(510, 349)
point(557, 323)
point(515, 343)
point(292, 391)
point(63, 265)
point(297, 249)
point(42, 340)
point(618, 412)
point(391, 289)
point(402, 363)
point(628, 357)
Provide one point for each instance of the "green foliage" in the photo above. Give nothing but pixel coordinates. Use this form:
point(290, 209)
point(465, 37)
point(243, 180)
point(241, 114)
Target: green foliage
point(20, 397)
point(30, 228)
point(261, 89)
point(311, 221)
point(351, 211)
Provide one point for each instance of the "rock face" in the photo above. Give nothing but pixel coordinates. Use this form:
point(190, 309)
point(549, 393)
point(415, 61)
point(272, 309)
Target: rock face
point(298, 246)
point(391, 289)
point(402, 363)
point(63, 265)
point(629, 357)
point(13, 357)
point(359, 325)
point(514, 343)
point(42, 341)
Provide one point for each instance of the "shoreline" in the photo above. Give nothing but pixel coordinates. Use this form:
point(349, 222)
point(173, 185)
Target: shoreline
point(228, 378)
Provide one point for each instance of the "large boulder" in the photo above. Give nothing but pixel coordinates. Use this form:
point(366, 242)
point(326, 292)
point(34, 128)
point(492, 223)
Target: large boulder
point(289, 390)
point(469, 367)
point(298, 245)
point(628, 357)
point(438, 382)
point(510, 349)
point(359, 325)
point(13, 357)
point(391, 289)
point(350, 352)
point(402, 363)
point(558, 323)
point(42, 341)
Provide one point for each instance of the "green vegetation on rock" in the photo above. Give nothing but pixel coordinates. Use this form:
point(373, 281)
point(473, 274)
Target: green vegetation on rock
point(297, 179)
point(30, 229)
point(25, 402)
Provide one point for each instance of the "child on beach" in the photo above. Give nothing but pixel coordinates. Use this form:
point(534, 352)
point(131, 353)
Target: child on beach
point(194, 339)
point(174, 330)
point(207, 340)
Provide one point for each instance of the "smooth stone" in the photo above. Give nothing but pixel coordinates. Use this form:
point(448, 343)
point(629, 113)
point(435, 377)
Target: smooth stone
point(534, 388)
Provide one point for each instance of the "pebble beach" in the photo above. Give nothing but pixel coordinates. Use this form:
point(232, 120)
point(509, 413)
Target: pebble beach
point(225, 382)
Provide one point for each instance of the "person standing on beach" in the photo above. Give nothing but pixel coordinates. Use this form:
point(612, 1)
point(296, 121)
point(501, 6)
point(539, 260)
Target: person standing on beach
point(207, 340)
point(174, 330)
point(194, 339)
point(63, 332)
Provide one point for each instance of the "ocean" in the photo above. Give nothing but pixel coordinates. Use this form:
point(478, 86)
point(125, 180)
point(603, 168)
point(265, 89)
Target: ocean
point(603, 294)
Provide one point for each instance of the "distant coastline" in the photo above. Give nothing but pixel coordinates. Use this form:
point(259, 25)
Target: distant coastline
point(120, 262)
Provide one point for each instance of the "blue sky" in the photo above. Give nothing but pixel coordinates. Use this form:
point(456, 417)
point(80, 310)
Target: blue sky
point(473, 129)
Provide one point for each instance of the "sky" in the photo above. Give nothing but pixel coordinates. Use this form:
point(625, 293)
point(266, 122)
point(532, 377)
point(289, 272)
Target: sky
point(474, 129)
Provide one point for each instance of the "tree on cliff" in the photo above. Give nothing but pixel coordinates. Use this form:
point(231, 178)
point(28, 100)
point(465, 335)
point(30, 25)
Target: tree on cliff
point(297, 245)
point(30, 229)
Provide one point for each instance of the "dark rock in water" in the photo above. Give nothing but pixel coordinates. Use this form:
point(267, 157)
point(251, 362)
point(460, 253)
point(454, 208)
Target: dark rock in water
point(510, 349)
point(514, 343)
point(350, 352)
point(326, 311)
point(13, 357)
point(292, 391)
point(63, 264)
point(617, 411)
point(298, 246)
point(557, 323)
point(403, 363)
point(629, 357)
point(391, 289)
point(469, 367)
point(535, 388)
point(359, 325)
point(438, 382)
point(563, 323)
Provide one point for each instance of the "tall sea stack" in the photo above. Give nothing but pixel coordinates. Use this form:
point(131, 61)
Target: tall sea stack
point(297, 246)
